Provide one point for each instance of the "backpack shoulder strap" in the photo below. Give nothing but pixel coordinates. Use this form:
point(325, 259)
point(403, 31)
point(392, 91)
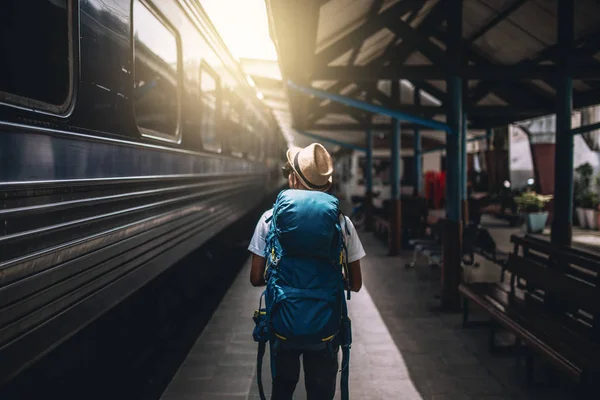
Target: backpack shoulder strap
point(345, 223)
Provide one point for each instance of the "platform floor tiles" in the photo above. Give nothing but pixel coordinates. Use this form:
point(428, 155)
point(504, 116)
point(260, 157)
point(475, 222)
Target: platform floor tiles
point(403, 348)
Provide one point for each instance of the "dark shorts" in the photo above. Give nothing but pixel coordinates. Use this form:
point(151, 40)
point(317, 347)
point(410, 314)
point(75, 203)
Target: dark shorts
point(320, 372)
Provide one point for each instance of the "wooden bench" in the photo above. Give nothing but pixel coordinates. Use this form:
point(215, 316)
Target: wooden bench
point(555, 314)
point(574, 262)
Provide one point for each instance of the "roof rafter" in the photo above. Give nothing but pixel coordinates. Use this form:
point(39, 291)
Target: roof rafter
point(398, 52)
point(497, 72)
point(364, 31)
point(431, 111)
point(589, 45)
point(524, 94)
point(371, 15)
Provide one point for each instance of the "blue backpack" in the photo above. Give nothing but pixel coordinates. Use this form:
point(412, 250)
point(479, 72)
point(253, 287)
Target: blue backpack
point(305, 307)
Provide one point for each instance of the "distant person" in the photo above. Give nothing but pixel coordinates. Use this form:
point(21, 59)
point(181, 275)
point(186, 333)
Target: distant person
point(306, 261)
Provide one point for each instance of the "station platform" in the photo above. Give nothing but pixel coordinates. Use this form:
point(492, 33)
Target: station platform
point(403, 348)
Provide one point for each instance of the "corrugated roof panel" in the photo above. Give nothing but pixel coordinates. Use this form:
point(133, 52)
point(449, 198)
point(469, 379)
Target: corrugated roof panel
point(440, 84)
point(535, 21)
point(339, 17)
point(492, 100)
point(342, 60)
point(348, 89)
point(544, 86)
point(507, 44)
point(580, 85)
point(423, 12)
point(374, 46)
point(587, 15)
point(475, 15)
point(417, 58)
point(323, 84)
point(337, 119)
point(548, 5)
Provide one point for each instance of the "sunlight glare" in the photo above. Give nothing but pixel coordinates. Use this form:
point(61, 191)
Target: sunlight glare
point(244, 27)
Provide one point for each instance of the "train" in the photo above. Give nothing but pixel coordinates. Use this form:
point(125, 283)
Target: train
point(129, 136)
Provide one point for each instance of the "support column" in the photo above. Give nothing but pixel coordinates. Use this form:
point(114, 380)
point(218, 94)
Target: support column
point(464, 173)
point(452, 241)
point(418, 188)
point(563, 154)
point(369, 183)
point(396, 214)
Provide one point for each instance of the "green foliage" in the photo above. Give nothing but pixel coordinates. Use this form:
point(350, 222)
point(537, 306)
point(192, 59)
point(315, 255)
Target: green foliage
point(589, 200)
point(530, 202)
point(583, 194)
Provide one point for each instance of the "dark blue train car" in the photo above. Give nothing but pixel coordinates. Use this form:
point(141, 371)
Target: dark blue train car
point(128, 137)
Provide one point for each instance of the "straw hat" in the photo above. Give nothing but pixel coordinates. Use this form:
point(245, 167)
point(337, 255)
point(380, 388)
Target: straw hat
point(313, 166)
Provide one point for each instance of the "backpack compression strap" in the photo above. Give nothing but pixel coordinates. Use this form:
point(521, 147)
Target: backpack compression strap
point(259, 360)
point(346, 336)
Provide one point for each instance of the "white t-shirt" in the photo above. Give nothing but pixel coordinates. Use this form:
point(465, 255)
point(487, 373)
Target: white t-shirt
point(353, 244)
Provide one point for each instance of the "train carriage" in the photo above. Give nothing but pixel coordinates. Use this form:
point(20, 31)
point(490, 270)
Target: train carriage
point(129, 136)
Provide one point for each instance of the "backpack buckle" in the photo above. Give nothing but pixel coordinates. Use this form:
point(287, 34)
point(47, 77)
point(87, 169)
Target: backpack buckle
point(274, 259)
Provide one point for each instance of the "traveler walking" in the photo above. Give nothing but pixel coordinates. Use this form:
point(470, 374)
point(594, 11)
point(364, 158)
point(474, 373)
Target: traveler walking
point(307, 253)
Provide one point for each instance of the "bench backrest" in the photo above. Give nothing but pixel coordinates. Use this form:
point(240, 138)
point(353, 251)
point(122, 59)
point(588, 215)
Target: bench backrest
point(574, 300)
point(573, 262)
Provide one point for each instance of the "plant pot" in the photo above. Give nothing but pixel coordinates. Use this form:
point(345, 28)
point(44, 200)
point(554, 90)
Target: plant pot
point(591, 218)
point(581, 217)
point(536, 222)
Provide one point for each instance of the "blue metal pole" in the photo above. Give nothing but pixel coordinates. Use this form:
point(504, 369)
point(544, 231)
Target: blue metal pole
point(463, 158)
point(371, 107)
point(563, 153)
point(453, 153)
point(369, 179)
point(418, 149)
point(329, 140)
point(395, 172)
point(369, 164)
point(452, 241)
point(396, 222)
point(464, 171)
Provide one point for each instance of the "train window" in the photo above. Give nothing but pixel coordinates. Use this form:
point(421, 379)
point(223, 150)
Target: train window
point(250, 140)
point(37, 48)
point(210, 92)
point(156, 75)
point(235, 133)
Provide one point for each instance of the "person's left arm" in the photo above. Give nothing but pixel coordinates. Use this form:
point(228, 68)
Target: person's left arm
point(257, 248)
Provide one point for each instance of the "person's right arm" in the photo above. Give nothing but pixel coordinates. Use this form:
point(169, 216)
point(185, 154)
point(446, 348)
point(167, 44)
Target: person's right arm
point(257, 271)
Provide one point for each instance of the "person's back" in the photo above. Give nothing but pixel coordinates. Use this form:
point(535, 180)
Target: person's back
point(299, 250)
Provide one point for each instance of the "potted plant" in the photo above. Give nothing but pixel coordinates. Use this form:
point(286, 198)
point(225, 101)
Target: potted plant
point(589, 203)
point(581, 192)
point(577, 201)
point(532, 204)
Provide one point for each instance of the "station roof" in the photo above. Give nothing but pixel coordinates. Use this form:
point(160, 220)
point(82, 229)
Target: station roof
point(356, 47)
